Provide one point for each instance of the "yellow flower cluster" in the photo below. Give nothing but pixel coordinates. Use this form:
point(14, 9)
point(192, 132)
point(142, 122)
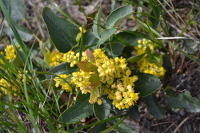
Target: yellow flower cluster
point(10, 52)
point(6, 86)
point(61, 80)
point(55, 58)
point(113, 75)
point(144, 65)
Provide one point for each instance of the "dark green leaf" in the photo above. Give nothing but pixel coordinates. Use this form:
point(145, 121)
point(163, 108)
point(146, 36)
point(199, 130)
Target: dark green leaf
point(106, 34)
point(153, 107)
point(102, 111)
point(118, 15)
point(183, 101)
point(63, 33)
point(96, 24)
point(63, 68)
point(98, 128)
point(190, 46)
point(130, 38)
point(155, 16)
point(135, 58)
point(89, 38)
point(146, 84)
point(81, 109)
point(134, 113)
point(123, 127)
point(167, 64)
point(24, 33)
point(18, 9)
point(114, 49)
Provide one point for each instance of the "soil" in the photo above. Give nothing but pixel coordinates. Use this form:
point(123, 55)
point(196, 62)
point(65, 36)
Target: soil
point(185, 74)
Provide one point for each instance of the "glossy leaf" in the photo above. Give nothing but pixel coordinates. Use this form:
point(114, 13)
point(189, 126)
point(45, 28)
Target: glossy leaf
point(24, 33)
point(114, 49)
point(89, 38)
point(86, 66)
point(105, 35)
point(183, 101)
point(167, 63)
point(134, 113)
point(130, 38)
point(96, 23)
point(135, 58)
point(97, 128)
point(122, 127)
point(190, 46)
point(146, 84)
point(18, 9)
point(62, 32)
point(81, 109)
point(118, 15)
point(155, 16)
point(63, 68)
point(153, 107)
point(102, 111)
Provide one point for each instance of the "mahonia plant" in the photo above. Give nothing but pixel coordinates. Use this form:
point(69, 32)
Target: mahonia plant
point(143, 64)
point(99, 75)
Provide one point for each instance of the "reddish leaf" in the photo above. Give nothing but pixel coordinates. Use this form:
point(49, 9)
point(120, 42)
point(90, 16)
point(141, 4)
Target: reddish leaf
point(94, 80)
point(86, 66)
point(90, 55)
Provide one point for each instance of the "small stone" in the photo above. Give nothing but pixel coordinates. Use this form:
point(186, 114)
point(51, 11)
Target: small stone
point(182, 113)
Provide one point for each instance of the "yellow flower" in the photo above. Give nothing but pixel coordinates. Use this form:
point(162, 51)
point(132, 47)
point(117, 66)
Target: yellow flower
point(61, 80)
point(10, 53)
point(143, 64)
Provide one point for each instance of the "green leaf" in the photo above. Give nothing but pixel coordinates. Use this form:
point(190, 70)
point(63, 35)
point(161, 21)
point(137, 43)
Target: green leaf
point(123, 127)
point(155, 16)
point(96, 24)
point(62, 32)
point(183, 101)
point(118, 15)
point(153, 107)
point(81, 109)
point(146, 84)
point(130, 38)
point(114, 49)
point(190, 46)
point(86, 66)
point(89, 38)
point(102, 111)
point(156, 59)
point(135, 58)
point(63, 68)
point(24, 33)
point(106, 34)
point(97, 128)
point(42, 63)
point(134, 113)
point(18, 9)
point(167, 63)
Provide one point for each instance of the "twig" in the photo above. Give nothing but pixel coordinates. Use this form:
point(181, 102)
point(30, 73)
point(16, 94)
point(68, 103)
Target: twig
point(177, 128)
